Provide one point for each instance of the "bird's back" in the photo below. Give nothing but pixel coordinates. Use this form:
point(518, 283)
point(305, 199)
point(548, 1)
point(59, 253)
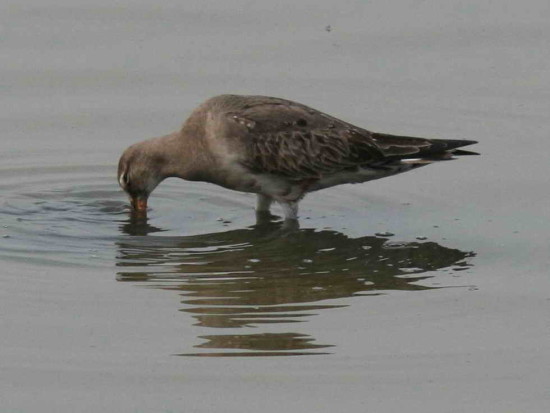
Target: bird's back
point(291, 140)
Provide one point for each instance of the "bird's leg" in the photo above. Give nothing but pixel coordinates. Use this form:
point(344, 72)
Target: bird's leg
point(290, 210)
point(263, 203)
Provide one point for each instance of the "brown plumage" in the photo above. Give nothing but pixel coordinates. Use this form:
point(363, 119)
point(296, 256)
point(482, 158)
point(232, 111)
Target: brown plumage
point(276, 148)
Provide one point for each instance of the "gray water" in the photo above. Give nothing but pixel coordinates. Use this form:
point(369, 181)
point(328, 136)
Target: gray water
point(428, 291)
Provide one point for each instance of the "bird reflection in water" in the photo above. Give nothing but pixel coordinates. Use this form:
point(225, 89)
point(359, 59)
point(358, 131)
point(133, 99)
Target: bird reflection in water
point(262, 275)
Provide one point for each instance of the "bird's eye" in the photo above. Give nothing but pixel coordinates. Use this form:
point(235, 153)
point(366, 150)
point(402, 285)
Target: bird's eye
point(124, 180)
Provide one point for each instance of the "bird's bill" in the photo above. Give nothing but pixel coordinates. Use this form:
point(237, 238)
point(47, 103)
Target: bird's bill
point(139, 204)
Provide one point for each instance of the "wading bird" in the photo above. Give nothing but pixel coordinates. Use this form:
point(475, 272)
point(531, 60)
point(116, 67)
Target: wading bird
point(275, 148)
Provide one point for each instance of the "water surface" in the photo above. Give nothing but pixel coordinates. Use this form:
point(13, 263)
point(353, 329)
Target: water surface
point(238, 278)
point(202, 308)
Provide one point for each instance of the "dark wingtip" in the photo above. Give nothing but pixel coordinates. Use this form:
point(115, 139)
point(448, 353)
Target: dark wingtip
point(455, 143)
point(452, 144)
point(461, 152)
point(468, 142)
point(440, 147)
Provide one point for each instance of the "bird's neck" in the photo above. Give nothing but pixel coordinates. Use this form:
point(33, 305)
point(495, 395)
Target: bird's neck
point(186, 152)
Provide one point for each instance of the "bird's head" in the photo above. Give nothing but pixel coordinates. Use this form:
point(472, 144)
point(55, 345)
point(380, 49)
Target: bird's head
point(139, 173)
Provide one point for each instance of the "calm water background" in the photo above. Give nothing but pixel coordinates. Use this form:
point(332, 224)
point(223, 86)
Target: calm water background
point(199, 309)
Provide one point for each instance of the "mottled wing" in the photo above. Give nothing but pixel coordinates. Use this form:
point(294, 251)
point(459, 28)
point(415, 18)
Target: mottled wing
point(309, 154)
point(286, 138)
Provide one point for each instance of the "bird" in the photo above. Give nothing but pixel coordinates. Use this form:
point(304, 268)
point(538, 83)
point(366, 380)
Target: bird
point(278, 149)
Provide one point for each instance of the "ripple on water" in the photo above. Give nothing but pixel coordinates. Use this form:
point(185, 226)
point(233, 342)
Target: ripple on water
point(228, 278)
point(72, 215)
point(59, 215)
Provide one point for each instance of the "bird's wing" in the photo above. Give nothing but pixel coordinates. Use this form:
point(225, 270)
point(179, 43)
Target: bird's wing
point(290, 139)
point(309, 154)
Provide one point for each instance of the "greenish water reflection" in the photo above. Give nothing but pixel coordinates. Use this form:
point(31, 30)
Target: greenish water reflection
point(263, 275)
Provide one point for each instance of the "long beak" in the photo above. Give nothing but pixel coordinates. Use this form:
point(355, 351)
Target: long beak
point(139, 204)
